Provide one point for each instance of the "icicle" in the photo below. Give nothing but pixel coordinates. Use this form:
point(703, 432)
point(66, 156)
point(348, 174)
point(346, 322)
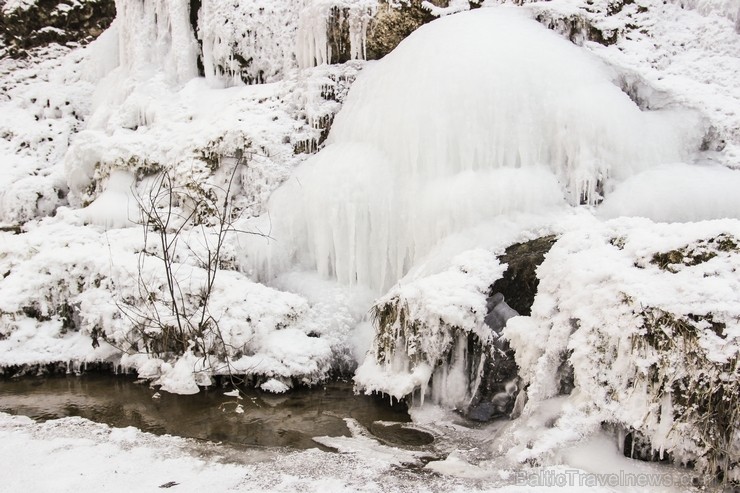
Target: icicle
point(401, 179)
point(157, 32)
point(312, 42)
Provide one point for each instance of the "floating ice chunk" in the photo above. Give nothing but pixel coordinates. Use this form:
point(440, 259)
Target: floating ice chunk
point(455, 465)
point(275, 386)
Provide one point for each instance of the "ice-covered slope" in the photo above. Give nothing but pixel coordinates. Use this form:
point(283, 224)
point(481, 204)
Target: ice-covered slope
point(81, 129)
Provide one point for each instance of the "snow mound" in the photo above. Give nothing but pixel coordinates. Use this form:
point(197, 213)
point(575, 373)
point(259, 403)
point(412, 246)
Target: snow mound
point(677, 193)
point(533, 112)
point(471, 117)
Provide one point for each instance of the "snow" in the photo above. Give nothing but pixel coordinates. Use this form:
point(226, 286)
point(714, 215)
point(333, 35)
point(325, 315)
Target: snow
point(13, 5)
point(94, 119)
point(73, 454)
point(682, 57)
point(117, 206)
point(727, 8)
point(677, 193)
point(275, 386)
point(480, 130)
point(58, 265)
point(425, 346)
point(599, 330)
point(178, 378)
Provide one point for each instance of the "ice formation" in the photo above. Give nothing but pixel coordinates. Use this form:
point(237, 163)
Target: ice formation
point(312, 44)
point(255, 41)
point(260, 41)
point(431, 340)
point(156, 35)
point(471, 117)
point(651, 345)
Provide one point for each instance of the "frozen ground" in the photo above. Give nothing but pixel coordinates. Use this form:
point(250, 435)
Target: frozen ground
point(73, 454)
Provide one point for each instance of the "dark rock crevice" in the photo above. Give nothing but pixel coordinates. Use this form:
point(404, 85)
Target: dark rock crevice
point(54, 21)
point(519, 282)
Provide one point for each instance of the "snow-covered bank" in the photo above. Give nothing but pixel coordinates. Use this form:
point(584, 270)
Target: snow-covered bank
point(75, 122)
point(63, 296)
point(73, 454)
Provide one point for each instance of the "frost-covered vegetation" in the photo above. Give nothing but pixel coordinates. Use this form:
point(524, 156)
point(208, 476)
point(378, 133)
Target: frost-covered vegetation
point(432, 334)
point(645, 316)
point(236, 189)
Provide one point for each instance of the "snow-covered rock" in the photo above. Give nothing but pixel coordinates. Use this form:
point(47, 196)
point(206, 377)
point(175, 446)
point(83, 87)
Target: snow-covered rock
point(642, 318)
point(425, 329)
point(26, 24)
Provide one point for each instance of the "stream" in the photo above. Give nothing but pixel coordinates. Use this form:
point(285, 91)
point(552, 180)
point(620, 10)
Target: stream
point(268, 420)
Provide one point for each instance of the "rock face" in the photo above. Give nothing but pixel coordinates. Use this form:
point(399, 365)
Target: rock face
point(394, 21)
point(512, 295)
point(51, 21)
point(519, 283)
point(499, 383)
point(392, 24)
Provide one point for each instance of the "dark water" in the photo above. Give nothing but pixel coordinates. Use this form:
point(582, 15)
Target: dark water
point(268, 420)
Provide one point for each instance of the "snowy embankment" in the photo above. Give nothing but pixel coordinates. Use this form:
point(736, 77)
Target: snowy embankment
point(73, 454)
point(85, 133)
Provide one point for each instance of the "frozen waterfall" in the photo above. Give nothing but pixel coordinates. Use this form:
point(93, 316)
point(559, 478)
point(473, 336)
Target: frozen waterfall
point(157, 34)
point(472, 116)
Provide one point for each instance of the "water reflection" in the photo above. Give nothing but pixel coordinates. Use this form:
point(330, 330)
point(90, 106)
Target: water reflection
point(289, 420)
